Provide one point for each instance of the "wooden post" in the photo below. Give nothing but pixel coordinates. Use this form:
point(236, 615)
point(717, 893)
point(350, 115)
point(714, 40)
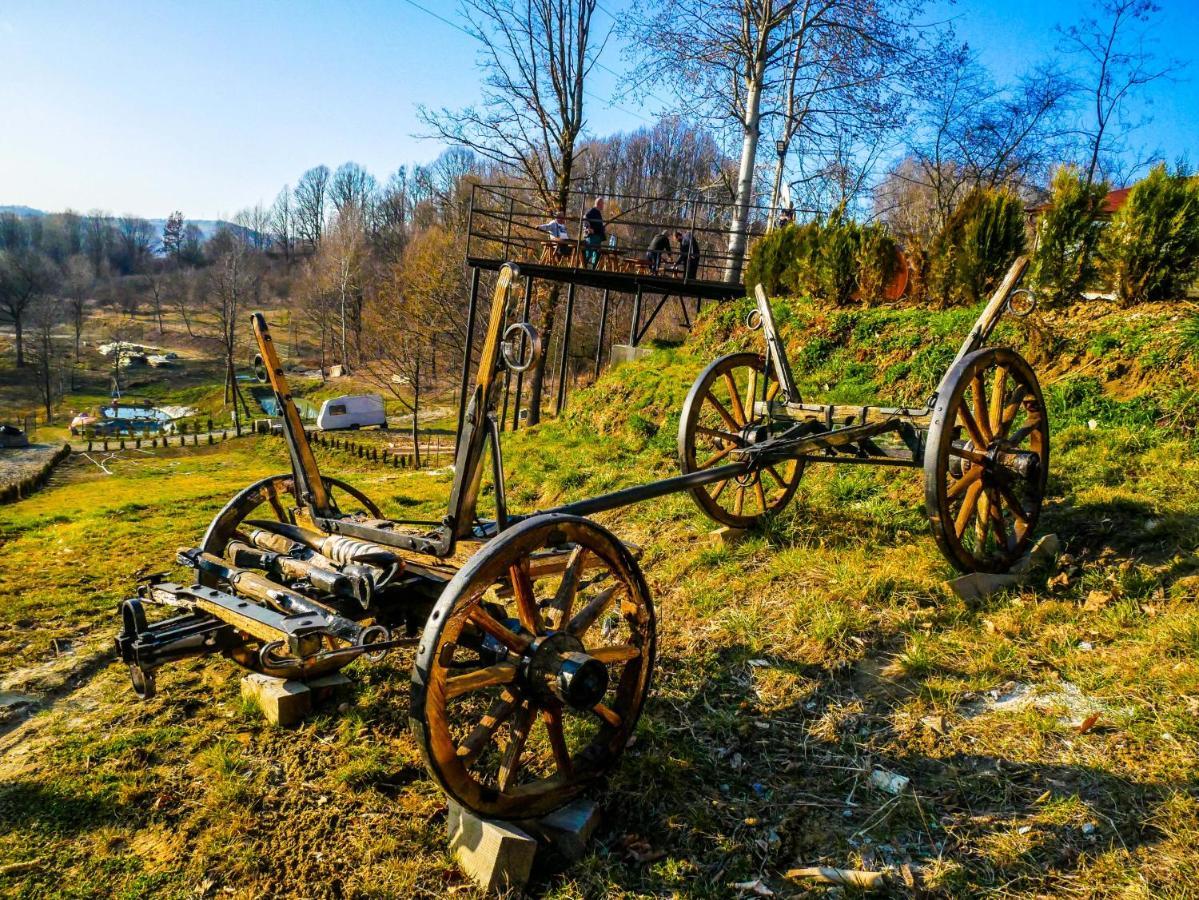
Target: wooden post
point(570, 311)
point(471, 311)
point(520, 378)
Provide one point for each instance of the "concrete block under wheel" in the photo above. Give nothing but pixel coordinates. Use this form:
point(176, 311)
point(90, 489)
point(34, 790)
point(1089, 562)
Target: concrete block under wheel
point(326, 687)
point(725, 537)
point(978, 586)
point(497, 856)
point(282, 702)
point(569, 829)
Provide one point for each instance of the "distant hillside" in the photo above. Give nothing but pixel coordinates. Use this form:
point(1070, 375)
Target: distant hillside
point(207, 227)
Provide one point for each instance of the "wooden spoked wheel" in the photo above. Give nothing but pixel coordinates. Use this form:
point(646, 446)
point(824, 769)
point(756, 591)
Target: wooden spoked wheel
point(718, 417)
point(274, 497)
point(533, 668)
point(987, 461)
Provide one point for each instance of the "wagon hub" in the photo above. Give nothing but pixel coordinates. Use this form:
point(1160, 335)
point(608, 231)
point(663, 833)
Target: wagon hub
point(556, 665)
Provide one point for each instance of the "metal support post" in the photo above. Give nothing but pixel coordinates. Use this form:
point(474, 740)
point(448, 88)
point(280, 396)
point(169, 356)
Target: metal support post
point(603, 324)
point(636, 317)
point(520, 378)
point(570, 312)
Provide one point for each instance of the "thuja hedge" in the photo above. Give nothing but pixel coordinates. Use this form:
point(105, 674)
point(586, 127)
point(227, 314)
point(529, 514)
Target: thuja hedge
point(835, 259)
point(1150, 251)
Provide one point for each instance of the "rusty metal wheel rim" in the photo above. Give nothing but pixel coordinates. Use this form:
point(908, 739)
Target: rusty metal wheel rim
point(983, 513)
point(492, 736)
point(716, 418)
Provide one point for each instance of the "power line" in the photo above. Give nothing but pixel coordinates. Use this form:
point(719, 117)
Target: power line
point(587, 93)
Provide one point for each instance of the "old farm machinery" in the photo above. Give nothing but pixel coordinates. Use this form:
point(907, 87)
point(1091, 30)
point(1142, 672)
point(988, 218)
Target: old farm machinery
point(982, 438)
point(534, 653)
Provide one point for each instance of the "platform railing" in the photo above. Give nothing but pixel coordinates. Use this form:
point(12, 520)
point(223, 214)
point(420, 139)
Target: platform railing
point(504, 225)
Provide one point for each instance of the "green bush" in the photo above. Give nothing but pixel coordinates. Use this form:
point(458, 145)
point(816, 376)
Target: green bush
point(801, 277)
point(877, 256)
point(837, 260)
point(771, 256)
point(1065, 262)
point(1150, 251)
point(978, 244)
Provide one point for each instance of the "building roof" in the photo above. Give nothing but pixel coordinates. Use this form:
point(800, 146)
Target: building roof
point(1111, 203)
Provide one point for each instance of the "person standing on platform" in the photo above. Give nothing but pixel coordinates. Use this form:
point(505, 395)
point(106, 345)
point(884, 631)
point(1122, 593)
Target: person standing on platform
point(688, 254)
point(593, 222)
point(657, 247)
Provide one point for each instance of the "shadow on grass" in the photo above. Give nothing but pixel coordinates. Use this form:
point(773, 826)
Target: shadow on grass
point(39, 807)
point(1130, 528)
point(738, 787)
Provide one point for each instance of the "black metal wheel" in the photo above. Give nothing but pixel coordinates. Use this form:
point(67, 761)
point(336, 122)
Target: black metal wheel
point(275, 497)
point(718, 417)
point(987, 461)
point(533, 668)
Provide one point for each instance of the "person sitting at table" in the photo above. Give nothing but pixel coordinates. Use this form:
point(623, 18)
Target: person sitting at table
point(688, 254)
point(556, 229)
point(659, 245)
point(593, 221)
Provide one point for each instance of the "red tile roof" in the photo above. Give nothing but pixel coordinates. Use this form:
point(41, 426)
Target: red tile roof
point(1111, 203)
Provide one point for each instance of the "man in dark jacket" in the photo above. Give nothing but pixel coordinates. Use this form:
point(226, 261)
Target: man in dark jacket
point(593, 222)
point(688, 253)
point(658, 246)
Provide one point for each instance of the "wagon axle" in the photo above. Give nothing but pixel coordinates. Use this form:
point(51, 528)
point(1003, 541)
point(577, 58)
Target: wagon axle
point(558, 665)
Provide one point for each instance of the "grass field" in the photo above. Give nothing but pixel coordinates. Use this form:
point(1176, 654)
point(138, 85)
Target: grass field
point(1049, 733)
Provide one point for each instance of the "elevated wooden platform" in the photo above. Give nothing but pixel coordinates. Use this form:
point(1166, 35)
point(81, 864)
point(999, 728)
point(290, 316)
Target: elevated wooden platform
point(622, 282)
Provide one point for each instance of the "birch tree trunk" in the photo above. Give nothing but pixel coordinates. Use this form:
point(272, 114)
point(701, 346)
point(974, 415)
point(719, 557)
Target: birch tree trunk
point(745, 175)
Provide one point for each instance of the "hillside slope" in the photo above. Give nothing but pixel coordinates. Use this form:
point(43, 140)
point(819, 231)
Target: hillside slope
point(790, 666)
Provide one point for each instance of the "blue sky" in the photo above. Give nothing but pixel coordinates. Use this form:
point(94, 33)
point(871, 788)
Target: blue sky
point(209, 107)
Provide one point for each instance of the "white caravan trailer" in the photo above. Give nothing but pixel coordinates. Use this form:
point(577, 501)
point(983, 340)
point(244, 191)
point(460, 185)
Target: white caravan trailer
point(351, 412)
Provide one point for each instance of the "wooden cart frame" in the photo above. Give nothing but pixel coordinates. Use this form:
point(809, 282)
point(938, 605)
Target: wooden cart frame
point(982, 438)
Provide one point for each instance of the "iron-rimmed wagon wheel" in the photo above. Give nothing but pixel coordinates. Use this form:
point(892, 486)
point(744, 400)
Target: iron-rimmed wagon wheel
point(274, 497)
point(533, 668)
point(718, 417)
point(987, 461)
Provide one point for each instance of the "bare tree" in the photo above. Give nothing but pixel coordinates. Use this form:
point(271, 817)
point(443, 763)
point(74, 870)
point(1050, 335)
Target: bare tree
point(97, 239)
point(974, 133)
point(25, 276)
point(157, 286)
point(723, 51)
point(339, 267)
point(737, 62)
point(46, 314)
point(353, 187)
point(311, 203)
point(1116, 62)
point(537, 56)
point(282, 222)
point(76, 287)
point(233, 283)
point(414, 316)
point(183, 287)
point(256, 222)
point(135, 241)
